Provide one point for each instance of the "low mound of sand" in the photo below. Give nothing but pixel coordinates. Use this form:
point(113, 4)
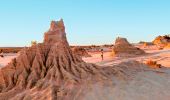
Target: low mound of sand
point(130, 81)
point(123, 48)
point(142, 84)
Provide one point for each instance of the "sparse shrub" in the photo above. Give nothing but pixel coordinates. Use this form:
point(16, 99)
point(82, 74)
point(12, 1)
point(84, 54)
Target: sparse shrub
point(112, 53)
point(153, 64)
point(33, 43)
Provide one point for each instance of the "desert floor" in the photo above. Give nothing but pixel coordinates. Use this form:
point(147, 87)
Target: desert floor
point(7, 58)
point(161, 56)
point(146, 85)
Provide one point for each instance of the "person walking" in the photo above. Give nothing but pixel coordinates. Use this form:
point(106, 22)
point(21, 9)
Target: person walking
point(1, 54)
point(102, 54)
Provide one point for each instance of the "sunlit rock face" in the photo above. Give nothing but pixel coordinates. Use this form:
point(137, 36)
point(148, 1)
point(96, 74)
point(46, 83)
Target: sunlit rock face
point(56, 32)
point(122, 42)
point(161, 40)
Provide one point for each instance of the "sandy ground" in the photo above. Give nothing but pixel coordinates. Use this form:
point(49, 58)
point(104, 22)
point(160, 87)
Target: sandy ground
point(7, 58)
point(145, 85)
point(161, 56)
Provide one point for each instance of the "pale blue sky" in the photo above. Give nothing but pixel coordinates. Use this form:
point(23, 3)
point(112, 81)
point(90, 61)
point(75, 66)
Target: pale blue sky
point(87, 21)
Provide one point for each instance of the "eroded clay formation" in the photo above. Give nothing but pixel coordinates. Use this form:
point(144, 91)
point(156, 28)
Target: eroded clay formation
point(45, 67)
point(123, 47)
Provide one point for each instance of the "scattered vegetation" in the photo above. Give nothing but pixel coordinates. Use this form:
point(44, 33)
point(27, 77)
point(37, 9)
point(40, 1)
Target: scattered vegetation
point(33, 43)
point(153, 64)
point(10, 49)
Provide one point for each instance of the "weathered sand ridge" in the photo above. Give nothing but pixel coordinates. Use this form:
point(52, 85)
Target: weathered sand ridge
point(123, 47)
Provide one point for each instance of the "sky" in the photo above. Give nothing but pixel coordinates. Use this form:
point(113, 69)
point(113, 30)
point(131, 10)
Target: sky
point(87, 21)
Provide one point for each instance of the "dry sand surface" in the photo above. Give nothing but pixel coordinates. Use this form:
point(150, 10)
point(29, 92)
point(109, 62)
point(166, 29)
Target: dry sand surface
point(145, 85)
point(149, 84)
point(161, 56)
point(7, 58)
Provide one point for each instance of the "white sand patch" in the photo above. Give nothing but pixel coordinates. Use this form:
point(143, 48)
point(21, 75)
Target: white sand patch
point(161, 56)
point(7, 58)
point(145, 86)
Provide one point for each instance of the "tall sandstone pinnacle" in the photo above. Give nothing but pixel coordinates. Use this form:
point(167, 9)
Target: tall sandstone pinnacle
point(45, 68)
point(56, 33)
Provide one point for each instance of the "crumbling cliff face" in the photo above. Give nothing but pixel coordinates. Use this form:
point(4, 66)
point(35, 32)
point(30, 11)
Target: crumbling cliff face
point(123, 47)
point(161, 40)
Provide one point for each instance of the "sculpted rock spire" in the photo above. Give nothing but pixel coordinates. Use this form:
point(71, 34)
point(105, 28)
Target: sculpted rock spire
point(56, 33)
point(57, 25)
point(50, 66)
